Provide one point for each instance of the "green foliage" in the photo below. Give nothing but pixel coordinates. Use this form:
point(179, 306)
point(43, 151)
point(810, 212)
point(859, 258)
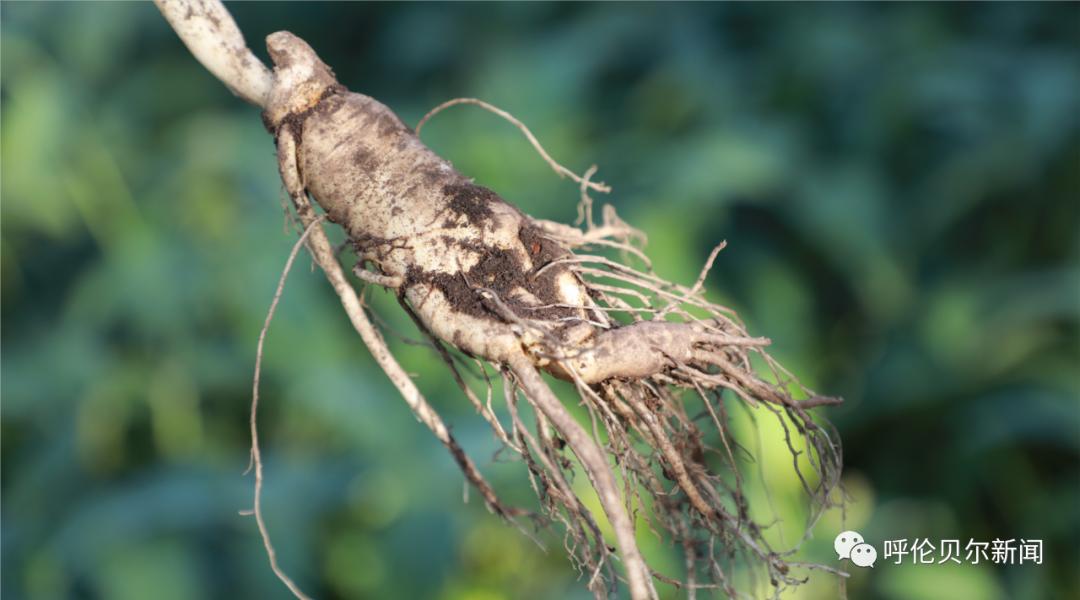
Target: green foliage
point(899, 187)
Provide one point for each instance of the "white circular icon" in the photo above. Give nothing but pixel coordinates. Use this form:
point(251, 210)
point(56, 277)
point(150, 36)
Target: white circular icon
point(863, 555)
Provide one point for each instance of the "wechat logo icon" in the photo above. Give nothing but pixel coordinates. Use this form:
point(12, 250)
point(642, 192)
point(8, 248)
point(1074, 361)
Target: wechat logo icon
point(850, 545)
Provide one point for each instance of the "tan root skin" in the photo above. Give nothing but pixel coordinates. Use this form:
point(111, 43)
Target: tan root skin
point(443, 239)
point(394, 197)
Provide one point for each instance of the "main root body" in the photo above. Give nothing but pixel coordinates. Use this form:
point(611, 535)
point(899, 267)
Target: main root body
point(656, 365)
point(483, 279)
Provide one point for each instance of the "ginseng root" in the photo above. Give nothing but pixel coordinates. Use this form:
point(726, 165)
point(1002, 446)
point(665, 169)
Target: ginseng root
point(485, 281)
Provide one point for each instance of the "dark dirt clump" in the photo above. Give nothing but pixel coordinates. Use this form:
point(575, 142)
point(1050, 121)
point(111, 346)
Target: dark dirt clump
point(471, 200)
point(542, 252)
point(504, 274)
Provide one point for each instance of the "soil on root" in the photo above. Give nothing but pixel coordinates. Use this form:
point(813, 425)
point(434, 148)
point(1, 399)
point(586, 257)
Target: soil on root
point(505, 274)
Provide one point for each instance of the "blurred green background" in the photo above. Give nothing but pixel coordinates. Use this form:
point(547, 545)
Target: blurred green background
point(899, 186)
